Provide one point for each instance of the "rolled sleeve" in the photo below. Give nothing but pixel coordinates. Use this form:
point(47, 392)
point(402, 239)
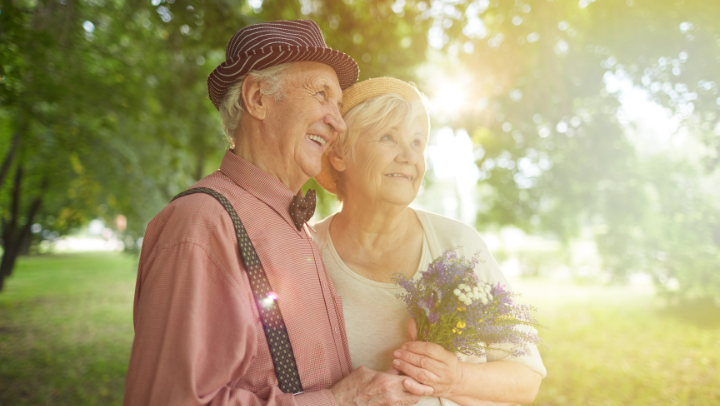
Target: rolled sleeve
point(531, 359)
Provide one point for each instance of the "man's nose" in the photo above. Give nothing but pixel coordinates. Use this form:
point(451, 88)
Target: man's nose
point(335, 121)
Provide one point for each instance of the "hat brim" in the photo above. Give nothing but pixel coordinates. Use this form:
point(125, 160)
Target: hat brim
point(225, 75)
point(358, 93)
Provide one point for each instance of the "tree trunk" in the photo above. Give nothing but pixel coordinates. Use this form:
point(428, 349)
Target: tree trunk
point(18, 241)
point(9, 237)
point(25, 236)
point(9, 157)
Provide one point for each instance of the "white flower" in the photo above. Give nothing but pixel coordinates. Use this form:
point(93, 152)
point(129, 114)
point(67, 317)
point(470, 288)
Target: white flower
point(489, 296)
point(457, 292)
point(466, 288)
point(462, 297)
point(468, 302)
point(484, 301)
point(461, 286)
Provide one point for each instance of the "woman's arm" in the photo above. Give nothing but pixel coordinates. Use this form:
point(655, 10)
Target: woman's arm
point(468, 384)
point(498, 382)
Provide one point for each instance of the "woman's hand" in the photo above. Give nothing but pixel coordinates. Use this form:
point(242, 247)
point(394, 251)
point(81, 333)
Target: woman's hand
point(429, 364)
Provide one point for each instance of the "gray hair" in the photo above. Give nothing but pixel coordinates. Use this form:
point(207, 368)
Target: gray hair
point(232, 109)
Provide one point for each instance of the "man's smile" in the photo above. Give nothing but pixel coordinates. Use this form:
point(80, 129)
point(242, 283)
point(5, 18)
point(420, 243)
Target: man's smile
point(317, 139)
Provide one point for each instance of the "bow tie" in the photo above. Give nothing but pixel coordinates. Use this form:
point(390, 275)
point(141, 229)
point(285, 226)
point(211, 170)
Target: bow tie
point(302, 208)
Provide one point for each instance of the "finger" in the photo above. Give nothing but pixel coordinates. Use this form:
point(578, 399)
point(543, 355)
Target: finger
point(412, 328)
point(431, 350)
point(418, 389)
point(392, 371)
point(421, 375)
point(421, 361)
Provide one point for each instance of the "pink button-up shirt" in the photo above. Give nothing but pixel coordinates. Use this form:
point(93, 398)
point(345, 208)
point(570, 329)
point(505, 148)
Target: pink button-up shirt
point(198, 335)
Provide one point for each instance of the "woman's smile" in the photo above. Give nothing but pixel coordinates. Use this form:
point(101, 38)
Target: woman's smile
point(399, 176)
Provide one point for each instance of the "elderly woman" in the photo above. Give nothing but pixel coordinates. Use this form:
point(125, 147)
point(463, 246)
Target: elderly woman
point(376, 169)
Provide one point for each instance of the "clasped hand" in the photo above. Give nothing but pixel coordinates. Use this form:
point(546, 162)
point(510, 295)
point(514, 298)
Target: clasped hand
point(429, 364)
point(365, 387)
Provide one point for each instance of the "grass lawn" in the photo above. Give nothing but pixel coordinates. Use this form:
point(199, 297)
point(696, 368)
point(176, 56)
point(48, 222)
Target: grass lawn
point(66, 332)
point(620, 346)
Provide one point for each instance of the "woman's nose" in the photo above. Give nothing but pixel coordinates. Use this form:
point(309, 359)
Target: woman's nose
point(407, 154)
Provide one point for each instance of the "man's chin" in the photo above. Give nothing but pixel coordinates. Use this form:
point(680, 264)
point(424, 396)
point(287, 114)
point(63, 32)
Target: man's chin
point(311, 171)
point(311, 165)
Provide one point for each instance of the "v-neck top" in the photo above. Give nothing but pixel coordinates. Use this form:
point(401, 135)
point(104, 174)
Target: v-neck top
point(379, 318)
point(376, 320)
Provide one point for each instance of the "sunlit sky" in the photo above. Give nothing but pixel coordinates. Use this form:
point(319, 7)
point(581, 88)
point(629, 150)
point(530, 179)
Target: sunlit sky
point(451, 154)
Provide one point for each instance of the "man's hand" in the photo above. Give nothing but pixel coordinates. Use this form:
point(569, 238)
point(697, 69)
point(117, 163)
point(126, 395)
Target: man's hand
point(365, 387)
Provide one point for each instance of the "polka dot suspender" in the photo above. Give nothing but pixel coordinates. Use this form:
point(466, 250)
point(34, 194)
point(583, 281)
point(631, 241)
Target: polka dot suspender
point(265, 299)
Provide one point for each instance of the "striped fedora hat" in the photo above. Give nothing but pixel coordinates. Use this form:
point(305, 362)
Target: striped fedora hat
point(260, 46)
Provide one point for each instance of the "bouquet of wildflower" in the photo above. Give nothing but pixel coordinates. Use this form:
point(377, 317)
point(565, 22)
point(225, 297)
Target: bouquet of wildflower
point(456, 310)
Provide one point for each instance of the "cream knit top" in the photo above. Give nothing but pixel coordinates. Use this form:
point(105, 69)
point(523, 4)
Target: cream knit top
point(376, 321)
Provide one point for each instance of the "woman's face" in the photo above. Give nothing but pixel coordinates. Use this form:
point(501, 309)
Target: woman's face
point(388, 165)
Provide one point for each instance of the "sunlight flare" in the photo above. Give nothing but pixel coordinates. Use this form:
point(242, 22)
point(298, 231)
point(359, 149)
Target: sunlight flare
point(449, 98)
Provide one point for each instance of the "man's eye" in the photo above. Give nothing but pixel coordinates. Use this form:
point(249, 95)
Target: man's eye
point(321, 93)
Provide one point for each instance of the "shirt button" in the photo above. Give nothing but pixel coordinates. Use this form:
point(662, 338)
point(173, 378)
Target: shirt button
point(336, 330)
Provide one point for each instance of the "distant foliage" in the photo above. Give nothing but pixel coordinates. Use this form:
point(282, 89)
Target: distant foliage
point(553, 152)
point(104, 109)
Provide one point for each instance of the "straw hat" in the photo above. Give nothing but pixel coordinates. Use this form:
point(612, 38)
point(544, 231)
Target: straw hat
point(358, 93)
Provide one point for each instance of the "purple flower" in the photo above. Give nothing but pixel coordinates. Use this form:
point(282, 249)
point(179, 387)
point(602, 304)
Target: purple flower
point(455, 309)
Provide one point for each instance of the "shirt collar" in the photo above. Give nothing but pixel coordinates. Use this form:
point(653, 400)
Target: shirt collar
point(260, 184)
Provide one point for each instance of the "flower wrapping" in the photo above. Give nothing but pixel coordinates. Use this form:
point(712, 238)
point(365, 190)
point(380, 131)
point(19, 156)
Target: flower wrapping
point(455, 309)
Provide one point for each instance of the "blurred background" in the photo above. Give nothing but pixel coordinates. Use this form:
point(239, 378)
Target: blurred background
point(580, 138)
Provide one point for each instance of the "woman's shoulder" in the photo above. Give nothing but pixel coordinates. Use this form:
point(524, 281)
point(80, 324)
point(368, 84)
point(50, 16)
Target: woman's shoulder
point(450, 232)
point(445, 233)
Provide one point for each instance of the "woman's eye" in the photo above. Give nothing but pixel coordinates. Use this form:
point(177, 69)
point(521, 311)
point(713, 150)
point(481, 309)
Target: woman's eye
point(386, 137)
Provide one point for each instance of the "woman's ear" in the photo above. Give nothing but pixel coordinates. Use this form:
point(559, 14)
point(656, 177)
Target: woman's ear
point(336, 161)
point(254, 101)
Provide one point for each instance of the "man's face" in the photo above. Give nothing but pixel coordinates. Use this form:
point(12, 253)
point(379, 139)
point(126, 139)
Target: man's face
point(306, 120)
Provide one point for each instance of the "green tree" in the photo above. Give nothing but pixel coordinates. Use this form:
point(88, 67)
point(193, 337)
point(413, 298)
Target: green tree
point(554, 155)
point(103, 104)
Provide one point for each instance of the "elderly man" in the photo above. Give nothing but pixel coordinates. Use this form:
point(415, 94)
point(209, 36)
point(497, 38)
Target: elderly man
point(233, 305)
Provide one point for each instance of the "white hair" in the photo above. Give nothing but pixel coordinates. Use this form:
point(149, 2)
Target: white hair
point(232, 108)
point(370, 117)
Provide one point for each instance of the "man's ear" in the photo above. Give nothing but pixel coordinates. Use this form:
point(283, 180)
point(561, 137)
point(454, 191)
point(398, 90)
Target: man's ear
point(254, 101)
point(337, 161)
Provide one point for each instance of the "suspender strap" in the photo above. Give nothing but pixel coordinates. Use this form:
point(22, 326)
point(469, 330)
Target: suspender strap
point(265, 299)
